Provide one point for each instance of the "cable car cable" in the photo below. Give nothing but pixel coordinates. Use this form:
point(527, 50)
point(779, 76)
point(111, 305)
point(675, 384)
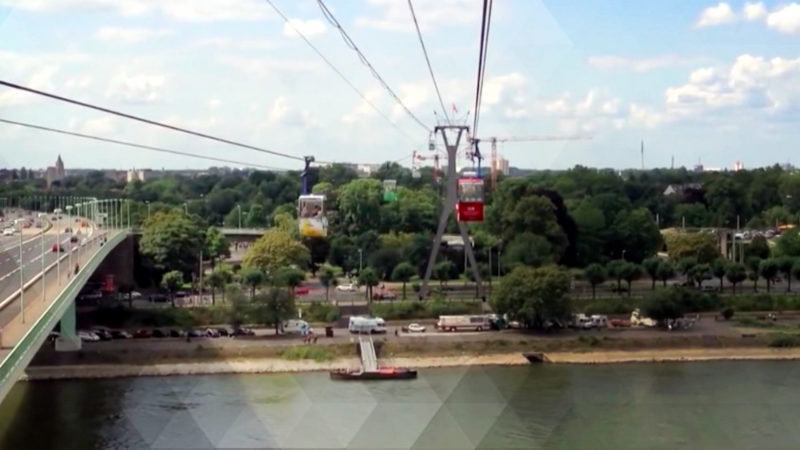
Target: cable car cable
point(147, 121)
point(484, 42)
point(338, 72)
point(132, 144)
point(335, 23)
point(428, 61)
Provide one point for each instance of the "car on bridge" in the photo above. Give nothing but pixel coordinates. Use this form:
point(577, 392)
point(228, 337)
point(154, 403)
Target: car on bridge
point(349, 287)
point(384, 295)
point(73, 239)
point(57, 248)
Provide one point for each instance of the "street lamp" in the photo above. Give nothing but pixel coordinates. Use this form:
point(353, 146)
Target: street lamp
point(239, 207)
point(360, 261)
point(21, 277)
point(42, 258)
point(69, 266)
point(57, 212)
point(148, 209)
point(185, 208)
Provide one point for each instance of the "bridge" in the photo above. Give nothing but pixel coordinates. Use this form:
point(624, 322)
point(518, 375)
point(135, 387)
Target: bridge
point(39, 283)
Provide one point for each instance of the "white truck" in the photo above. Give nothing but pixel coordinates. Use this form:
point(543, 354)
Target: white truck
point(368, 325)
point(455, 323)
point(638, 320)
point(296, 326)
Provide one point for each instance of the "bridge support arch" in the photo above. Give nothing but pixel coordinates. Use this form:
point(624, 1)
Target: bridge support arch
point(68, 340)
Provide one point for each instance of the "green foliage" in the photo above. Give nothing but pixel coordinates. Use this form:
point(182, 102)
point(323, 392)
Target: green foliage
point(635, 232)
point(444, 271)
point(327, 277)
point(252, 277)
point(321, 312)
point(369, 278)
point(359, 204)
point(172, 241)
point(664, 305)
point(735, 273)
point(727, 313)
point(595, 274)
point(769, 269)
point(314, 352)
point(528, 249)
point(272, 307)
point(289, 277)
point(758, 248)
point(422, 310)
point(701, 246)
point(216, 244)
point(783, 340)
point(274, 250)
point(665, 271)
point(534, 295)
point(171, 282)
point(788, 244)
point(403, 273)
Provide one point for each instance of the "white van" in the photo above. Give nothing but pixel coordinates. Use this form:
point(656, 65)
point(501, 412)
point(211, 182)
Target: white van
point(599, 321)
point(370, 325)
point(296, 326)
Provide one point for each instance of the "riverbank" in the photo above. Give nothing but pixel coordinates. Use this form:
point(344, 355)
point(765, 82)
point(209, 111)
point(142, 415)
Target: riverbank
point(277, 365)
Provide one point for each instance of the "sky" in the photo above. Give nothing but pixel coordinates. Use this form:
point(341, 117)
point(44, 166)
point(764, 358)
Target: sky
point(697, 81)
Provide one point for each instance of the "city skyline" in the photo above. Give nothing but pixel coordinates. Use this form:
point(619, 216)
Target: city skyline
point(684, 78)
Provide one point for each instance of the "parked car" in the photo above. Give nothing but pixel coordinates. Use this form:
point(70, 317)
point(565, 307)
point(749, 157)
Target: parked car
point(103, 333)
point(196, 333)
point(157, 333)
point(135, 294)
point(88, 336)
point(120, 334)
point(349, 287)
point(225, 332)
point(143, 333)
point(176, 333)
point(73, 239)
point(414, 328)
point(301, 290)
point(243, 331)
point(620, 323)
point(158, 298)
point(212, 333)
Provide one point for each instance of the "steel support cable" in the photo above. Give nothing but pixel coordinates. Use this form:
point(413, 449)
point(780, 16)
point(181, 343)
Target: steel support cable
point(484, 41)
point(132, 144)
point(337, 71)
point(349, 42)
point(428, 61)
point(147, 121)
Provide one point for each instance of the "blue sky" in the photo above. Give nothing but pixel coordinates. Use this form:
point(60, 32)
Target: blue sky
point(709, 81)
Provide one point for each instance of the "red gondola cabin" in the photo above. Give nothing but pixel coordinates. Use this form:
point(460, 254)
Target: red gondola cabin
point(470, 199)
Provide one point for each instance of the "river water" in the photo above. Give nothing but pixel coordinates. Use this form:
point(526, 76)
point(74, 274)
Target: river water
point(715, 405)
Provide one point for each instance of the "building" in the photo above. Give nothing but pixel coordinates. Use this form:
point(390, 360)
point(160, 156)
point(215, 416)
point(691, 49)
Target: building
point(737, 166)
point(143, 175)
point(55, 173)
point(501, 165)
point(679, 189)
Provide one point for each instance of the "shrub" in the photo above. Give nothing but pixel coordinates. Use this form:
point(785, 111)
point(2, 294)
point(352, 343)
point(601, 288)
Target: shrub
point(784, 341)
point(727, 313)
point(321, 312)
point(307, 352)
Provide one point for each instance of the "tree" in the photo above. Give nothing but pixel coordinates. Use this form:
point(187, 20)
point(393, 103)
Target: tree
point(700, 273)
point(651, 266)
point(172, 282)
point(785, 266)
point(290, 277)
point(318, 249)
point(216, 245)
point(592, 232)
point(273, 307)
point(534, 295)
point(695, 215)
point(594, 274)
point(788, 244)
point(735, 273)
point(718, 269)
point(384, 261)
point(369, 278)
point(665, 272)
point(796, 269)
point(754, 270)
point(327, 277)
point(685, 266)
point(664, 305)
point(614, 270)
point(630, 272)
point(528, 249)
point(218, 279)
point(758, 247)
point(359, 204)
point(172, 241)
point(403, 273)
point(274, 250)
point(443, 271)
point(701, 246)
point(252, 277)
point(769, 269)
point(635, 232)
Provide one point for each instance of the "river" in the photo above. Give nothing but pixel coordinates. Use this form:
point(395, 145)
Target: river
point(711, 405)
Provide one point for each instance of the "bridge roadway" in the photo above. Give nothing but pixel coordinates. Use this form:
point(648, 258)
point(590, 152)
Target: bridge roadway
point(21, 335)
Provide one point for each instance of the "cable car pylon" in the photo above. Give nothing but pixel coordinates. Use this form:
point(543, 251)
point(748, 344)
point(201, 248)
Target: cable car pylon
point(448, 208)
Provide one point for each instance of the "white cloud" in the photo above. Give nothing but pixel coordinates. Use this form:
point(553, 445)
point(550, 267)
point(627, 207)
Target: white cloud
point(214, 103)
point(40, 78)
point(783, 19)
point(716, 15)
point(363, 109)
point(754, 11)
point(129, 35)
point(281, 114)
point(612, 62)
point(135, 88)
point(309, 28)
point(396, 17)
point(260, 66)
point(192, 124)
point(226, 43)
point(99, 126)
point(181, 10)
point(786, 19)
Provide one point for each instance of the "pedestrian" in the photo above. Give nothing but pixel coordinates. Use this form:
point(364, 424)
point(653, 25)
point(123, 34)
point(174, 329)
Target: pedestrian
point(395, 332)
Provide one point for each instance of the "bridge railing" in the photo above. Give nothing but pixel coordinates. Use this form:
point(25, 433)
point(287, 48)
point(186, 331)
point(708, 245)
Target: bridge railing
point(24, 350)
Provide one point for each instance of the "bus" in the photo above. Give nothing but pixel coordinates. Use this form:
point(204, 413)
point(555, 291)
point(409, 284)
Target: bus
point(455, 323)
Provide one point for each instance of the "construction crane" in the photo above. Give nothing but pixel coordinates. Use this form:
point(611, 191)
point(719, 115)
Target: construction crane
point(420, 156)
point(494, 140)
